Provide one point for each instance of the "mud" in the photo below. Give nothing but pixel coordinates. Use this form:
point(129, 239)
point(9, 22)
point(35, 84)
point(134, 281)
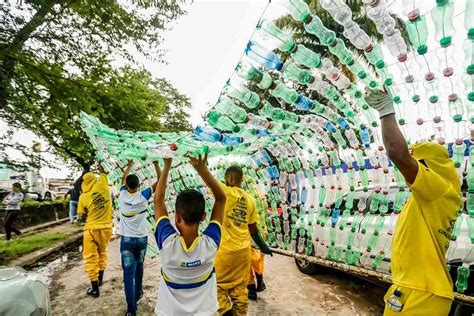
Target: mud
point(289, 292)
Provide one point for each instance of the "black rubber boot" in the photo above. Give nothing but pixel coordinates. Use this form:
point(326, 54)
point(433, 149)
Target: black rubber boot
point(101, 277)
point(260, 284)
point(252, 292)
point(228, 313)
point(94, 290)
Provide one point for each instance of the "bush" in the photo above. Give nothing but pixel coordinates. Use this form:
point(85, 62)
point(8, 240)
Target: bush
point(34, 213)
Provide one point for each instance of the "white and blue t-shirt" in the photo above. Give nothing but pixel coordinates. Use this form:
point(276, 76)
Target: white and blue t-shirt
point(133, 212)
point(188, 285)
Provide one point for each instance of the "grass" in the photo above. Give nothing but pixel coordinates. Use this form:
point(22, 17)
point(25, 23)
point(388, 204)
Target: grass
point(23, 245)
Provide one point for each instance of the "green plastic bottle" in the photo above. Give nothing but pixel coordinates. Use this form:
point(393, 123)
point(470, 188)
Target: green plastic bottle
point(283, 92)
point(222, 122)
point(293, 72)
point(249, 98)
point(284, 41)
point(418, 33)
point(462, 279)
point(442, 16)
point(298, 10)
point(316, 27)
point(247, 71)
point(306, 57)
point(227, 107)
point(340, 51)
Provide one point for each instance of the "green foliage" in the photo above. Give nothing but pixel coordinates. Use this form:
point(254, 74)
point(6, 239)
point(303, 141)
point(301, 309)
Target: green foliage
point(19, 247)
point(57, 58)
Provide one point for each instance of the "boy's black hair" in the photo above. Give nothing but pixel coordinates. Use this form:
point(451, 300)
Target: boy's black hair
point(17, 185)
point(190, 205)
point(132, 181)
point(236, 172)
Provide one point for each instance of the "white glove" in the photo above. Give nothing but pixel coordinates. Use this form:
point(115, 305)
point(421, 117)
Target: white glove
point(381, 101)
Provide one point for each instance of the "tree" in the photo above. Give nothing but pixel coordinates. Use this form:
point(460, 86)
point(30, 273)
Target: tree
point(57, 57)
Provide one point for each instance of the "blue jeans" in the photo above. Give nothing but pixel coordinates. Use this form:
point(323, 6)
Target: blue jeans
point(133, 250)
point(72, 210)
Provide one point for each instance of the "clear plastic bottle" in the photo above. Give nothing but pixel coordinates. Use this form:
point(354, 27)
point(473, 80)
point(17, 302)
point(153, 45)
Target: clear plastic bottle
point(393, 301)
point(249, 98)
point(442, 16)
point(263, 56)
point(277, 38)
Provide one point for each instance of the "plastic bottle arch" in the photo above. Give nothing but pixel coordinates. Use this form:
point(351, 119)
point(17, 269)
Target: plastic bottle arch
point(317, 167)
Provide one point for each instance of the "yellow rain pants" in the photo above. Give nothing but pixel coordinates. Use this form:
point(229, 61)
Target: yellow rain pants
point(257, 264)
point(232, 271)
point(95, 244)
point(418, 303)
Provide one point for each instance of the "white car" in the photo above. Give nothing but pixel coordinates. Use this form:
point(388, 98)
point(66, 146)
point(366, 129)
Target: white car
point(23, 293)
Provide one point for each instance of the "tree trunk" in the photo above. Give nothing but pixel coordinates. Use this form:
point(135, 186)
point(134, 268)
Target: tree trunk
point(8, 61)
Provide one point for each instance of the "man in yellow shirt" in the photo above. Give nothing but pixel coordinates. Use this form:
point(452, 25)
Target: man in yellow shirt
point(96, 205)
point(233, 257)
point(421, 282)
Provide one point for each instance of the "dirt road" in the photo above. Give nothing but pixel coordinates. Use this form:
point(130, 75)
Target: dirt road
point(289, 292)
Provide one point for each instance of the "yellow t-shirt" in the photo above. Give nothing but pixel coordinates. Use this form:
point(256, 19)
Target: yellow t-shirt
point(240, 210)
point(422, 235)
point(97, 204)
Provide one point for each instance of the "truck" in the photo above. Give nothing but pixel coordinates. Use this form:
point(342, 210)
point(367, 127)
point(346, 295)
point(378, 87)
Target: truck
point(31, 182)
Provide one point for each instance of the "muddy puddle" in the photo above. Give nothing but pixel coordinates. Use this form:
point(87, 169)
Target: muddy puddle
point(56, 262)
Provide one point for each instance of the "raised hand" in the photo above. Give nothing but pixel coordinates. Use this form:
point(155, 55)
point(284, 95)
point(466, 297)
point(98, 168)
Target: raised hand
point(379, 100)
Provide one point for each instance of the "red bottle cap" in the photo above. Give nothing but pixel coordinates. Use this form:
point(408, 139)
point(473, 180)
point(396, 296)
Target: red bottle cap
point(173, 147)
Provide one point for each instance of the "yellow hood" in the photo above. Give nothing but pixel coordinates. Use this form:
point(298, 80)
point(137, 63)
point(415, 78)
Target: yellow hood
point(437, 159)
point(88, 181)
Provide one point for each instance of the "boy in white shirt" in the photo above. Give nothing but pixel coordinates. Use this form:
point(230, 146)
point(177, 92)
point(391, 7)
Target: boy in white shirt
point(188, 285)
point(132, 228)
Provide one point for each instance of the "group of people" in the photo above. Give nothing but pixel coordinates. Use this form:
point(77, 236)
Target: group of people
point(206, 273)
point(213, 272)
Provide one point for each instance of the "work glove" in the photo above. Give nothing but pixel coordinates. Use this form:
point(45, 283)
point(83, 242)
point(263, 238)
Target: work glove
point(380, 101)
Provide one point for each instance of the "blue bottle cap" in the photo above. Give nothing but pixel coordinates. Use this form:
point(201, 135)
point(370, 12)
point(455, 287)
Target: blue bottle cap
point(397, 293)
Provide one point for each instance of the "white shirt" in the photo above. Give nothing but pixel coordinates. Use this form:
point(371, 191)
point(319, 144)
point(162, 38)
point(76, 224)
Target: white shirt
point(14, 200)
point(188, 285)
point(133, 212)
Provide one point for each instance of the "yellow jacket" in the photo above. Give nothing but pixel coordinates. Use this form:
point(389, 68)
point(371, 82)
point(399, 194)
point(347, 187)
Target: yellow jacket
point(95, 201)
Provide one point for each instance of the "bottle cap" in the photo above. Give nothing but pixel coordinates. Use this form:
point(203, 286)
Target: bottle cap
point(470, 69)
point(470, 33)
point(397, 293)
point(415, 98)
point(437, 119)
point(445, 41)
point(422, 49)
point(402, 58)
point(441, 3)
point(434, 99)
point(453, 97)
point(470, 96)
point(413, 15)
point(397, 99)
point(448, 72)
point(380, 64)
point(429, 76)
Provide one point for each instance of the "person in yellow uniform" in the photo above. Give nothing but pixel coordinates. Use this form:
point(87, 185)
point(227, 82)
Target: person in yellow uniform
point(233, 257)
point(421, 281)
point(95, 204)
point(257, 261)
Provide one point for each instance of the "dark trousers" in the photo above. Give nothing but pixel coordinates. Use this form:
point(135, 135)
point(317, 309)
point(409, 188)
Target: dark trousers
point(10, 216)
point(133, 250)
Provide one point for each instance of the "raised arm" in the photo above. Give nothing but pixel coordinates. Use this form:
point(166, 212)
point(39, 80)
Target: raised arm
point(158, 174)
point(127, 171)
point(160, 191)
point(219, 205)
point(394, 142)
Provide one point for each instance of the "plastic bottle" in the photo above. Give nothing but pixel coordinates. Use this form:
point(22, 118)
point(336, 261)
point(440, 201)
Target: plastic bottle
point(456, 109)
point(418, 32)
point(463, 276)
point(263, 56)
point(442, 16)
point(306, 57)
point(458, 152)
point(227, 107)
point(316, 27)
point(356, 36)
point(395, 43)
point(257, 121)
point(281, 40)
point(283, 92)
point(298, 10)
point(469, 15)
point(249, 98)
point(393, 301)
point(207, 134)
point(293, 72)
point(222, 122)
point(247, 71)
